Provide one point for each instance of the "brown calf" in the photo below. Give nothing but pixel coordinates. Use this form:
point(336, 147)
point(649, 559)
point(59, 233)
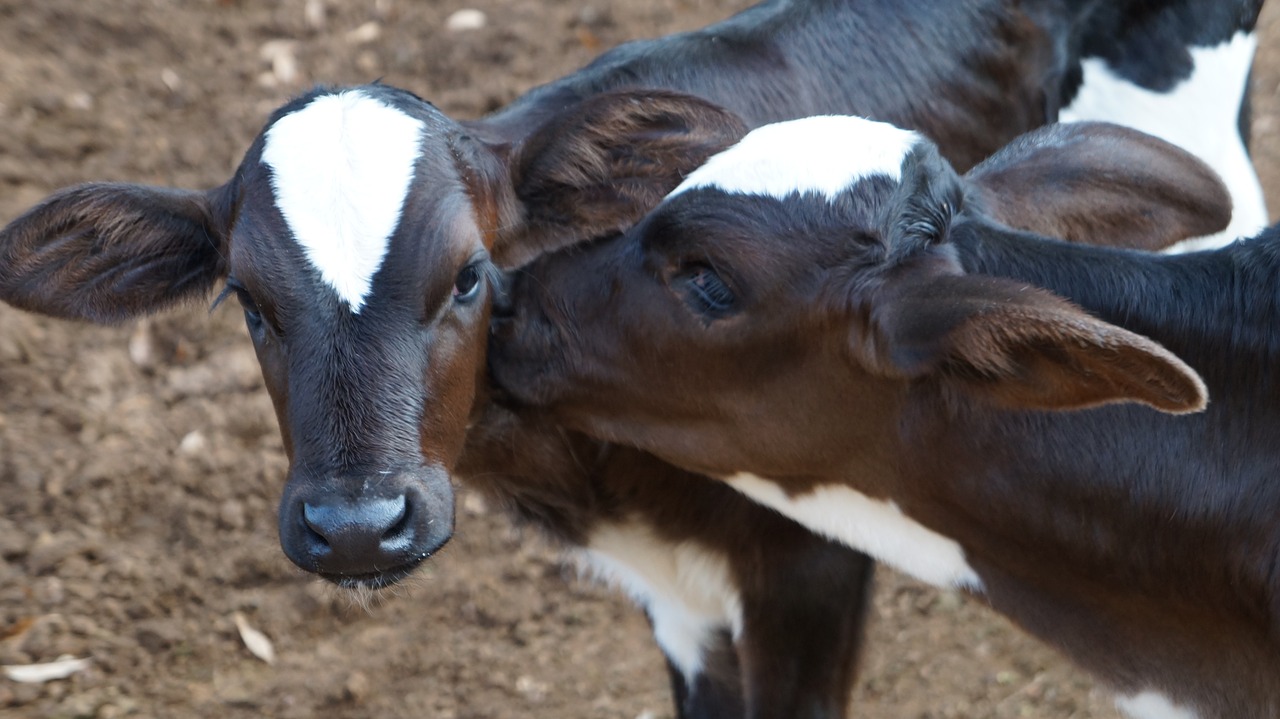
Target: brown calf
point(846, 349)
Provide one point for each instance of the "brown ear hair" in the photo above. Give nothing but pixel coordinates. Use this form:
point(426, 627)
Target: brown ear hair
point(1098, 183)
point(1022, 347)
point(108, 252)
point(600, 166)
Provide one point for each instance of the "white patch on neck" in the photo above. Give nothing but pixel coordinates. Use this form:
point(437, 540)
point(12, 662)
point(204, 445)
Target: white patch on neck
point(824, 154)
point(1199, 115)
point(686, 588)
point(1152, 705)
point(874, 527)
point(341, 169)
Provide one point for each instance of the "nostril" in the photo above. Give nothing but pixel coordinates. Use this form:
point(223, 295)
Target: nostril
point(400, 523)
point(502, 309)
point(501, 330)
point(313, 526)
point(399, 536)
point(502, 304)
point(357, 537)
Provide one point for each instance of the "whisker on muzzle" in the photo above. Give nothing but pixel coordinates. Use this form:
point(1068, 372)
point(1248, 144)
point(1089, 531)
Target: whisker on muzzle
point(369, 599)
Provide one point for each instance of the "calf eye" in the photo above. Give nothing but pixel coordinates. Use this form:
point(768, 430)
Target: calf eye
point(705, 291)
point(467, 285)
point(252, 315)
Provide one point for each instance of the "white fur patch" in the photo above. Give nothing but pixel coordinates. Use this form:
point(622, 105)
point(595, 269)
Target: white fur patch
point(341, 169)
point(686, 588)
point(1152, 705)
point(877, 528)
point(824, 154)
point(1199, 115)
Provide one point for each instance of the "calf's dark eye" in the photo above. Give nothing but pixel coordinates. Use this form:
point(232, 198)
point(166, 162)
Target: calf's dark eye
point(705, 291)
point(252, 315)
point(467, 284)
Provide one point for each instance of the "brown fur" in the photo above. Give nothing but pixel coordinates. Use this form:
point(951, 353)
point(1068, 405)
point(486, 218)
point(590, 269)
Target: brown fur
point(895, 341)
point(1076, 166)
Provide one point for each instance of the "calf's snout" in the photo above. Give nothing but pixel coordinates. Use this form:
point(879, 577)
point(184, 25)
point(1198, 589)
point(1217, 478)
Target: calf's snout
point(366, 531)
point(526, 345)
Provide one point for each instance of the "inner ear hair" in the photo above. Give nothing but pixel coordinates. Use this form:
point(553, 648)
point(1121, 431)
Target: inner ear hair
point(1097, 183)
point(602, 163)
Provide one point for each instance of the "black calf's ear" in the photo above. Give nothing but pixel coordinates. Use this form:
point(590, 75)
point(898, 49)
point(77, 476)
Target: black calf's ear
point(600, 166)
point(1023, 348)
point(1103, 184)
point(108, 252)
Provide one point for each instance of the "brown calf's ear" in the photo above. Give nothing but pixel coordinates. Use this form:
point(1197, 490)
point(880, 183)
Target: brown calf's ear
point(1098, 183)
point(1025, 348)
point(108, 252)
point(601, 165)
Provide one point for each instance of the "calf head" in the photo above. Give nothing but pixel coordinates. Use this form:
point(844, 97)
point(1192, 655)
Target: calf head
point(362, 235)
point(772, 313)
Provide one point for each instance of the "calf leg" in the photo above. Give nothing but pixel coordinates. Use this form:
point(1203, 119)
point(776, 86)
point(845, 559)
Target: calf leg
point(803, 629)
point(715, 692)
point(703, 560)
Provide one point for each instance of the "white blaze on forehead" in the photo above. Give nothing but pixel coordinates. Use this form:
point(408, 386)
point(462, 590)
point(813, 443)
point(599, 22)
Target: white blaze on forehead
point(341, 169)
point(824, 154)
point(872, 526)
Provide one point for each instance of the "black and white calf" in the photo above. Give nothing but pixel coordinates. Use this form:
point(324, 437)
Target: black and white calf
point(828, 319)
point(363, 230)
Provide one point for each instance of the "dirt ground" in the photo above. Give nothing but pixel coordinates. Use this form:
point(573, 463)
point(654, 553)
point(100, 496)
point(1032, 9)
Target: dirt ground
point(140, 466)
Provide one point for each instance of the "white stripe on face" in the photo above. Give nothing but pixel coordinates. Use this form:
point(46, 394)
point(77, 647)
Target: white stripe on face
point(825, 154)
point(341, 169)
